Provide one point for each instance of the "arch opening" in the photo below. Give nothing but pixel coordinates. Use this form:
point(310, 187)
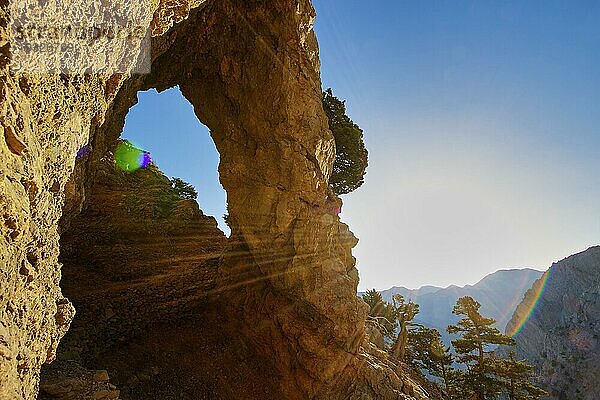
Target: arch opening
point(165, 125)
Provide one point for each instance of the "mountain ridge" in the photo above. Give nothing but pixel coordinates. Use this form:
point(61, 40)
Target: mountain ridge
point(436, 303)
point(557, 327)
point(453, 285)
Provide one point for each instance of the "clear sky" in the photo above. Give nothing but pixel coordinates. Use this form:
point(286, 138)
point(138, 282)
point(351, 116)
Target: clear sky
point(482, 120)
point(165, 125)
point(483, 124)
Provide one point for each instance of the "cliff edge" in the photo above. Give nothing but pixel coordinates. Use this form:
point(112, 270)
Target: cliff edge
point(557, 327)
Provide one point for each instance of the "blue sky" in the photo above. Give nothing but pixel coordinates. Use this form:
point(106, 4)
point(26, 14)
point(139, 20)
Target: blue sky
point(165, 125)
point(483, 124)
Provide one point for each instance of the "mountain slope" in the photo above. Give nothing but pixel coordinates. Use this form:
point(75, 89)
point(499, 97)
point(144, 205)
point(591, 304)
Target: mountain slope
point(561, 337)
point(499, 294)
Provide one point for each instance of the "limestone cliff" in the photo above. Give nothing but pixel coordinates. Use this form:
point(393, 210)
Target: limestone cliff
point(283, 298)
point(561, 338)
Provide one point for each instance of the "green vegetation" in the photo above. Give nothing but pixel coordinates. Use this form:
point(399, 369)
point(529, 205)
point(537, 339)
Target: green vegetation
point(381, 313)
point(351, 157)
point(476, 336)
point(428, 352)
point(516, 378)
point(474, 370)
point(404, 313)
point(184, 189)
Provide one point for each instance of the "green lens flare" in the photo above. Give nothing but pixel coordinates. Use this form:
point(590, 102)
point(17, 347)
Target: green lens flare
point(129, 158)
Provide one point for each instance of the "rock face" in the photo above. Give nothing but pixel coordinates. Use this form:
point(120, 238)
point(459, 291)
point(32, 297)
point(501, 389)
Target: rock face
point(141, 266)
point(498, 293)
point(69, 381)
point(280, 301)
point(561, 338)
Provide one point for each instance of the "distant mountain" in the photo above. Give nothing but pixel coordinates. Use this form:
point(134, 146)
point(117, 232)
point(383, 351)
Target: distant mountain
point(499, 294)
point(557, 327)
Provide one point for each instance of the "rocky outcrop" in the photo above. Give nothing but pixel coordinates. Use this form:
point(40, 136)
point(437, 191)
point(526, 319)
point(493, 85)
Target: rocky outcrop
point(67, 380)
point(283, 302)
point(561, 337)
point(150, 277)
point(141, 266)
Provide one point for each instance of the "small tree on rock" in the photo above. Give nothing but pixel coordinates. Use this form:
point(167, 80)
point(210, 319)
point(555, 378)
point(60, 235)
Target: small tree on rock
point(184, 189)
point(351, 156)
point(381, 312)
point(405, 313)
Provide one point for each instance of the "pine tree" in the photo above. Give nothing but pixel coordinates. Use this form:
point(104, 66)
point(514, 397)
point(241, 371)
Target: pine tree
point(420, 349)
point(516, 376)
point(351, 156)
point(428, 352)
point(373, 298)
point(443, 365)
point(473, 348)
point(184, 189)
point(382, 312)
point(405, 313)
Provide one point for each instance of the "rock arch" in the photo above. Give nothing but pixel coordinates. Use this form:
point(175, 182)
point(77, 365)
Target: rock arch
point(261, 99)
point(288, 281)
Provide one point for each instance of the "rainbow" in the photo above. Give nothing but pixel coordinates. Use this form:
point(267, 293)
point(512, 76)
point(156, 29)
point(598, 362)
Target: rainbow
point(524, 310)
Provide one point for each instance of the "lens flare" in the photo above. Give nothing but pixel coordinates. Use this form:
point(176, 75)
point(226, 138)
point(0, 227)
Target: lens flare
point(525, 310)
point(144, 159)
point(129, 158)
point(82, 152)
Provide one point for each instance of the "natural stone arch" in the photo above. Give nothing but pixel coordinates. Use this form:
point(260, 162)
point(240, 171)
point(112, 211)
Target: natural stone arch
point(250, 68)
point(275, 161)
point(275, 154)
point(261, 99)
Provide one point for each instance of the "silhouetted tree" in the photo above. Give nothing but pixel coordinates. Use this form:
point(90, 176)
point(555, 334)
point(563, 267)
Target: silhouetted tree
point(184, 189)
point(351, 156)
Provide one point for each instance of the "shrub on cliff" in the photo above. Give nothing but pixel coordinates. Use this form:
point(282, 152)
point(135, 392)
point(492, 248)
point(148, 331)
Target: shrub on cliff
point(184, 189)
point(351, 157)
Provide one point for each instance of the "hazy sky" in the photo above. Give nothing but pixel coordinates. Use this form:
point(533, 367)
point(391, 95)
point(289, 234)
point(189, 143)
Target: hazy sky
point(482, 120)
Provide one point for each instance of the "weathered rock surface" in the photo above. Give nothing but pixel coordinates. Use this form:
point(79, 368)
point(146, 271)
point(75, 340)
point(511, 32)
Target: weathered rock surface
point(284, 302)
point(67, 380)
point(562, 336)
point(141, 266)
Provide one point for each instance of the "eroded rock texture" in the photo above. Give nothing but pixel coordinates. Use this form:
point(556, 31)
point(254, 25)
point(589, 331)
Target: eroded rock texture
point(67, 380)
point(141, 266)
point(277, 300)
point(562, 336)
